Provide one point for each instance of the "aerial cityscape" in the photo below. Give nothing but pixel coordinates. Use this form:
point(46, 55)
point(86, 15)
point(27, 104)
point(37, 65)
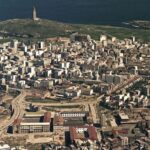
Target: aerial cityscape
point(66, 86)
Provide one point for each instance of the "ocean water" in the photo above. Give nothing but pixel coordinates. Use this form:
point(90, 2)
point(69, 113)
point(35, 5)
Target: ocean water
point(108, 12)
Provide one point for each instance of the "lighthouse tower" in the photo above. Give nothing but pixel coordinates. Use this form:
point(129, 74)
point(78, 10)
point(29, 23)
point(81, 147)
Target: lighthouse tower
point(34, 14)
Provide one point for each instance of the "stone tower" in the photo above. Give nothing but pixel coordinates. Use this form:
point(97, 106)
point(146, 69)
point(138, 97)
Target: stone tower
point(34, 16)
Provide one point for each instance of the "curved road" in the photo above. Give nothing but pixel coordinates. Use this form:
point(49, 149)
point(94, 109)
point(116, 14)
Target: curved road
point(17, 106)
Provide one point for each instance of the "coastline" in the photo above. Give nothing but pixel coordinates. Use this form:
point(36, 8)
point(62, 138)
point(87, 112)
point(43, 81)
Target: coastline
point(43, 28)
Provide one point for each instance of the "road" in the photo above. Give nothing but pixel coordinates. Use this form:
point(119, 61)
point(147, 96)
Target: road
point(124, 84)
point(116, 88)
point(17, 106)
point(92, 104)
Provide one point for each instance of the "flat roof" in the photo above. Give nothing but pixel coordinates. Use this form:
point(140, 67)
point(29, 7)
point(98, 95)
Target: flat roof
point(34, 123)
point(5, 146)
point(123, 116)
point(33, 114)
point(147, 118)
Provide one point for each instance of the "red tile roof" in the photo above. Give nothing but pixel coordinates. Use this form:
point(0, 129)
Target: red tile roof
point(47, 117)
point(17, 121)
point(90, 129)
point(73, 134)
point(92, 133)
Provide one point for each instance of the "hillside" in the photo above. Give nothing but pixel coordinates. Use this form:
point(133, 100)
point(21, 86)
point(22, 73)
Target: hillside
point(47, 28)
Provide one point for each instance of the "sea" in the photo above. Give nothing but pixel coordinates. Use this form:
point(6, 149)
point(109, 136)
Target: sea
point(105, 12)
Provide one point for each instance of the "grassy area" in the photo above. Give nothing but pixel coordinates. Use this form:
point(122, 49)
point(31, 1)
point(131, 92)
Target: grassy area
point(141, 23)
point(48, 28)
point(61, 106)
point(40, 100)
point(50, 108)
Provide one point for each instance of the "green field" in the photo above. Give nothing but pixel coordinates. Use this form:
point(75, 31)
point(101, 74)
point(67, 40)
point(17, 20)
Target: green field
point(47, 28)
point(40, 100)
